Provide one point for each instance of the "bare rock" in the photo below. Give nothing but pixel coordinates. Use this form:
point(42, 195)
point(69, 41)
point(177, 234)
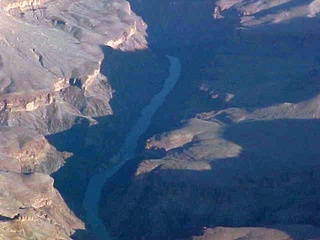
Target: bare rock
point(261, 12)
point(297, 232)
point(30, 207)
point(50, 60)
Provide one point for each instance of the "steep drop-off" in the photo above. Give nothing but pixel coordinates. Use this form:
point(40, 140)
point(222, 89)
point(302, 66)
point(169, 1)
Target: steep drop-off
point(126, 153)
point(244, 162)
point(50, 79)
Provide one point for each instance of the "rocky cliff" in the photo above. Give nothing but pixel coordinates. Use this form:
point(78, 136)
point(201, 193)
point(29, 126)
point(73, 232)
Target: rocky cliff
point(243, 164)
point(298, 232)
point(50, 79)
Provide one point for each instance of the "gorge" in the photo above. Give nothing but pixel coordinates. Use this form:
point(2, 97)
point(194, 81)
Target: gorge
point(228, 152)
point(234, 149)
point(127, 152)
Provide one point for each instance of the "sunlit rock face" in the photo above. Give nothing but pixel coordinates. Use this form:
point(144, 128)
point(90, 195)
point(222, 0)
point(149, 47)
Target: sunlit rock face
point(50, 61)
point(254, 13)
point(278, 233)
point(31, 208)
point(55, 45)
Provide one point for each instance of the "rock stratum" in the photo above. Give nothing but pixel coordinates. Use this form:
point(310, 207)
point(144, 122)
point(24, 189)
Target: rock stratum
point(50, 60)
point(244, 162)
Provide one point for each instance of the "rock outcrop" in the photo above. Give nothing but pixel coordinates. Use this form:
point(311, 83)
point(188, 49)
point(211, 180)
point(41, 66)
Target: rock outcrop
point(50, 60)
point(32, 208)
point(261, 12)
point(297, 232)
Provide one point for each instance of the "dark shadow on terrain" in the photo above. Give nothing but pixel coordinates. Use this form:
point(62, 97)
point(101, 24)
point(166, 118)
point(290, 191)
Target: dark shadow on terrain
point(197, 49)
point(80, 234)
point(294, 39)
point(87, 145)
point(170, 30)
point(257, 174)
point(136, 77)
point(282, 7)
point(273, 182)
point(186, 99)
point(177, 24)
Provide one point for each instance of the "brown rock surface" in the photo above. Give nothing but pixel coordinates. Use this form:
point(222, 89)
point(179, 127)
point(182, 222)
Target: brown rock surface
point(60, 77)
point(50, 78)
point(297, 232)
point(260, 12)
point(31, 208)
point(20, 150)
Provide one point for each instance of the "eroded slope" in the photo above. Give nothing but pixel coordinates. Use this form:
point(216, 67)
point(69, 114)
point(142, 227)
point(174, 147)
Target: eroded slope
point(50, 78)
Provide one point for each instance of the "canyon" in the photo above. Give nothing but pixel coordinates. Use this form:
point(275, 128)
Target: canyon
point(126, 153)
point(231, 152)
point(51, 80)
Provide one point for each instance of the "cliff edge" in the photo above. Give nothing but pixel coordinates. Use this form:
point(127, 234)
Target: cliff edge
point(50, 79)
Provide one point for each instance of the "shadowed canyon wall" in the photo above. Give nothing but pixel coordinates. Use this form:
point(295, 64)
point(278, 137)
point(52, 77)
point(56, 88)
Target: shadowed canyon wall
point(239, 158)
point(51, 79)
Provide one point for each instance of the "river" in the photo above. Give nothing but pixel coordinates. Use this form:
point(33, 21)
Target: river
point(127, 152)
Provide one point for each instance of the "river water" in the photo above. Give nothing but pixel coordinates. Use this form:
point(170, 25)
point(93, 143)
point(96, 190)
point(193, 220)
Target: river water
point(127, 152)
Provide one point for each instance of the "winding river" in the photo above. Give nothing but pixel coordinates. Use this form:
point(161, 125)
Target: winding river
point(127, 152)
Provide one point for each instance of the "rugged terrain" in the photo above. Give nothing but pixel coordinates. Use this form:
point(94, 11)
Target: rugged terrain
point(244, 161)
point(236, 150)
point(50, 79)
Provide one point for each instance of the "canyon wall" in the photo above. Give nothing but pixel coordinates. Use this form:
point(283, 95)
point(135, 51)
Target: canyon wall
point(50, 80)
point(243, 163)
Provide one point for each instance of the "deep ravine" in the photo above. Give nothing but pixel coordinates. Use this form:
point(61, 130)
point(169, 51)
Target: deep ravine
point(127, 152)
